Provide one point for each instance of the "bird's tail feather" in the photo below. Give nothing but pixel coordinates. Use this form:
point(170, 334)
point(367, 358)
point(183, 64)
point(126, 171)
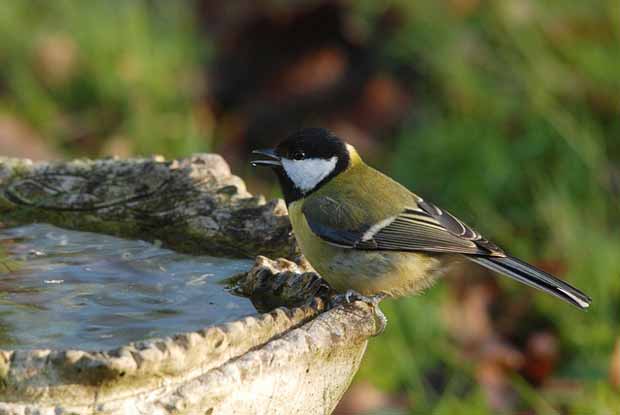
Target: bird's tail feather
point(534, 277)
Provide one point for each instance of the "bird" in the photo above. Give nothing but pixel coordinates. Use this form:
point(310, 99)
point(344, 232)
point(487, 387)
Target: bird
point(370, 237)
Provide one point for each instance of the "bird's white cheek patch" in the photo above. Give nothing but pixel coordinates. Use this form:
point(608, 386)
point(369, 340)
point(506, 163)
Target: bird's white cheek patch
point(306, 174)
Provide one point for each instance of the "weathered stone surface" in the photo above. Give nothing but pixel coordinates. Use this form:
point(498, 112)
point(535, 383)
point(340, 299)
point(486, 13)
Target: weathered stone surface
point(281, 283)
point(194, 204)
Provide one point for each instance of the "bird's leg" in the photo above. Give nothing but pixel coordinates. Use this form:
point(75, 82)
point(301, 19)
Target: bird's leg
point(350, 295)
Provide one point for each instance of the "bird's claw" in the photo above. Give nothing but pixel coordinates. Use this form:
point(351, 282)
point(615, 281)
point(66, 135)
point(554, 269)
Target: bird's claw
point(350, 296)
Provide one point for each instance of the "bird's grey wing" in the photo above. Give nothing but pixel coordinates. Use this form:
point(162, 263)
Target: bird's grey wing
point(458, 228)
point(421, 227)
point(425, 227)
point(333, 221)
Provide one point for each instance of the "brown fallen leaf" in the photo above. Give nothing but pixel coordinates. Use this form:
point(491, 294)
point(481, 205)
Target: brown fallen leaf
point(541, 355)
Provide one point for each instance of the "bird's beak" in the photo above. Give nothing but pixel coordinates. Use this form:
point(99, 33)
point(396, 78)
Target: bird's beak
point(269, 158)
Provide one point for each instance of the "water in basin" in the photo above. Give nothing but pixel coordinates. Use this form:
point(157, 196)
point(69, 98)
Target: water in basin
point(64, 289)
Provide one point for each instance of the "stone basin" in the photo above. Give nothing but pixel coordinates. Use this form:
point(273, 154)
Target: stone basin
point(293, 356)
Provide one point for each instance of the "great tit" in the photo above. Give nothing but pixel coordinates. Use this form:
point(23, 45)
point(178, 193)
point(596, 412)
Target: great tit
point(363, 231)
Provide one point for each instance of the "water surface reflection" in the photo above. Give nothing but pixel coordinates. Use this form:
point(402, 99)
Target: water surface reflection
point(68, 289)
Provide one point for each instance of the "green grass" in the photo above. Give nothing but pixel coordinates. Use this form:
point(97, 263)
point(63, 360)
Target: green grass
point(517, 133)
point(96, 76)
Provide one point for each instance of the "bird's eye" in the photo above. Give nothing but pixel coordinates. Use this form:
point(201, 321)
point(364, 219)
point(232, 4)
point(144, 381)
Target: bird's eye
point(299, 155)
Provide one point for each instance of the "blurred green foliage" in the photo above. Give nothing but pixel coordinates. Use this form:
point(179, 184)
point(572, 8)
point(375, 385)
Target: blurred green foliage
point(519, 128)
point(88, 74)
point(514, 127)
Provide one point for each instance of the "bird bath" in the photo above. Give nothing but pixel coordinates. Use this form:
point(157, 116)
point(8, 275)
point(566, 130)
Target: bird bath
point(126, 321)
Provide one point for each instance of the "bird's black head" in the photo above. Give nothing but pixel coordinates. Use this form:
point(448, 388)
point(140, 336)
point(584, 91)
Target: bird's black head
point(305, 161)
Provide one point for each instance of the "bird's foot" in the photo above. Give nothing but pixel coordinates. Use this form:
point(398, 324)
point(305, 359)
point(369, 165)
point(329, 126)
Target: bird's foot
point(350, 296)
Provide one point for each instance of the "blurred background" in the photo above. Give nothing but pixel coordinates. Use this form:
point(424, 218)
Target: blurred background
point(505, 112)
